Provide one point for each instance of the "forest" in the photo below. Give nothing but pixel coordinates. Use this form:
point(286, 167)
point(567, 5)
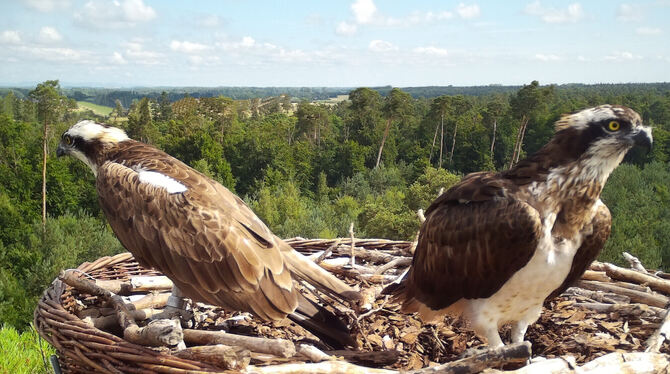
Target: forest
point(307, 168)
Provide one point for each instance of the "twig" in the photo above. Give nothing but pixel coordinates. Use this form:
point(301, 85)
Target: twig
point(353, 240)
point(398, 262)
point(312, 353)
point(325, 367)
point(222, 356)
point(628, 275)
point(277, 347)
point(656, 300)
point(512, 353)
point(371, 311)
point(422, 218)
point(659, 336)
point(634, 262)
point(327, 252)
point(156, 333)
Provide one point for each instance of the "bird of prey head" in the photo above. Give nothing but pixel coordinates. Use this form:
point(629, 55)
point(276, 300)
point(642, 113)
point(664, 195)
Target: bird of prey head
point(86, 139)
point(601, 136)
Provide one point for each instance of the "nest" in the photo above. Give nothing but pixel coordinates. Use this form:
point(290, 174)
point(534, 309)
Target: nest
point(612, 310)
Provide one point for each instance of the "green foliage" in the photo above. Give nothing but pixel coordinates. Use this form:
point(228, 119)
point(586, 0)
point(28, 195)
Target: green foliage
point(427, 187)
point(23, 353)
point(33, 260)
point(638, 200)
point(310, 173)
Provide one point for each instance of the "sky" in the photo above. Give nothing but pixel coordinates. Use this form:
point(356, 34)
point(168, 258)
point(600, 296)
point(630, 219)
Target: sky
point(337, 43)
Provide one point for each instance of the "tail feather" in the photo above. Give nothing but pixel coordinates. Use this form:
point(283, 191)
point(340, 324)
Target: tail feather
point(324, 281)
point(322, 323)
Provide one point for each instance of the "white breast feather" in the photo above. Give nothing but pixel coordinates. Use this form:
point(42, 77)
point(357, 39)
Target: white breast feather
point(160, 180)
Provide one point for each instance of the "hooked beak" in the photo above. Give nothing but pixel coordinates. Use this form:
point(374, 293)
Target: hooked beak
point(61, 150)
point(643, 138)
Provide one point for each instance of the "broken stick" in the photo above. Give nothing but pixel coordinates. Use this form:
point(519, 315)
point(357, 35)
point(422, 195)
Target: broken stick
point(222, 356)
point(155, 334)
point(277, 347)
point(512, 353)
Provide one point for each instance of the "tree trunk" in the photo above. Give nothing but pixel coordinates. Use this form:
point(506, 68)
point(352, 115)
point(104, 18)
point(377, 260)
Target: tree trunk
point(441, 141)
point(381, 147)
point(44, 179)
point(493, 140)
point(517, 142)
point(523, 134)
point(453, 143)
point(437, 127)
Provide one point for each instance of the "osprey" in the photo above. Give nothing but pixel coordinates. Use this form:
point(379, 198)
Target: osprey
point(203, 237)
point(496, 245)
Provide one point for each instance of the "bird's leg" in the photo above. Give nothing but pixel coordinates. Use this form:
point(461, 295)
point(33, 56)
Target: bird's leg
point(176, 307)
point(519, 331)
point(490, 333)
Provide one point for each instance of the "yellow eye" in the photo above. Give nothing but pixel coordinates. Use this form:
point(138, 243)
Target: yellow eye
point(614, 126)
point(67, 139)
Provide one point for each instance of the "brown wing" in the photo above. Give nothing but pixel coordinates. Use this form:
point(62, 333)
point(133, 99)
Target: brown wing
point(470, 244)
point(205, 239)
point(590, 248)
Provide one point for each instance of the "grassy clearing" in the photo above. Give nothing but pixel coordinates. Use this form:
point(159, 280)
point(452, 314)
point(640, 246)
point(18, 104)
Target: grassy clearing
point(100, 110)
point(20, 352)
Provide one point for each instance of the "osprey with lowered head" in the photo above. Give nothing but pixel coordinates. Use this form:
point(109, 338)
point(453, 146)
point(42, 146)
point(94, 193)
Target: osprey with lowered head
point(203, 237)
point(496, 245)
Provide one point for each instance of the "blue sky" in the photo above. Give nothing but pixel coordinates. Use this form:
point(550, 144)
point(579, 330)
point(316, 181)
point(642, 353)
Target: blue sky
point(122, 43)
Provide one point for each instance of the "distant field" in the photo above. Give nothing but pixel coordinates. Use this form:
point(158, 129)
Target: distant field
point(100, 110)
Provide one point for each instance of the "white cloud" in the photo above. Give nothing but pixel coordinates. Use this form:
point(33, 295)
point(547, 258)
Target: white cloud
point(431, 51)
point(544, 57)
point(622, 56)
point(100, 14)
point(572, 14)
point(247, 42)
point(135, 52)
point(187, 47)
point(583, 59)
point(364, 10)
point(118, 59)
point(136, 11)
point(468, 11)
point(47, 5)
point(381, 46)
point(56, 54)
point(648, 31)
point(49, 35)
point(629, 13)
point(209, 21)
point(345, 28)
point(10, 37)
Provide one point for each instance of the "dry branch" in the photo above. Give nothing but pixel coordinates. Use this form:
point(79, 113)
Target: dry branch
point(627, 275)
point(222, 356)
point(325, 367)
point(497, 357)
point(634, 262)
point(312, 353)
point(659, 336)
point(656, 300)
point(277, 347)
point(156, 333)
point(136, 284)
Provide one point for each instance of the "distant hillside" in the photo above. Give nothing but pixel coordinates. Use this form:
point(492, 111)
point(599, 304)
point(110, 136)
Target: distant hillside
point(108, 96)
point(100, 110)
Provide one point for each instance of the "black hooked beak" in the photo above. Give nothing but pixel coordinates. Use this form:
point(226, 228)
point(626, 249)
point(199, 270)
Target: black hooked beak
point(643, 138)
point(61, 150)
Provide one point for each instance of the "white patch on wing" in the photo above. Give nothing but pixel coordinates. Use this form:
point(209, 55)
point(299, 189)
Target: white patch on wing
point(160, 180)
